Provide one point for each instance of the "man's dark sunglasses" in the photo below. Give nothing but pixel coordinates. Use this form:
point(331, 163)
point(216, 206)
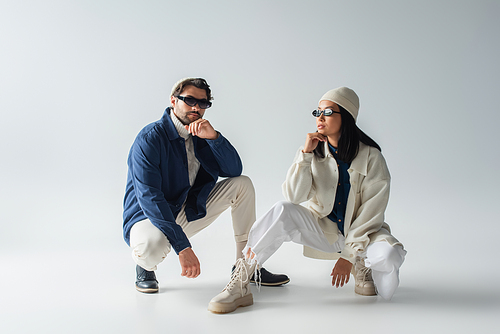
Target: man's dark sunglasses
point(191, 101)
point(326, 112)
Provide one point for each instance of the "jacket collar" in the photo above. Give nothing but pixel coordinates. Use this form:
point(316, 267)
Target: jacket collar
point(170, 129)
point(359, 164)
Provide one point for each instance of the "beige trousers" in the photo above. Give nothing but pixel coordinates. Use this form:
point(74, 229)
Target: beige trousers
point(150, 246)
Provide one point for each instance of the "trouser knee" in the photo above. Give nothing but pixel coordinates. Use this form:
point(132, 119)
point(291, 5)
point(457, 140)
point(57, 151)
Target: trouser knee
point(385, 258)
point(244, 182)
point(149, 253)
point(287, 210)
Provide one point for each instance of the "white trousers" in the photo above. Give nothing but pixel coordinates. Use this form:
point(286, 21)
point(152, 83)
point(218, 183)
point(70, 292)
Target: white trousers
point(150, 246)
point(290, 222)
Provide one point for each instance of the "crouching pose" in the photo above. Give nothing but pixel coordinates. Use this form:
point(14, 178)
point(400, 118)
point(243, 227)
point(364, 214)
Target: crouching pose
point(344, 181)
point(173, 188)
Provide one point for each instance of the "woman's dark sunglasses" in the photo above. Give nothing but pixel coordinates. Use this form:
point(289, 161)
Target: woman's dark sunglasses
point(326, 112)
point(191, 101)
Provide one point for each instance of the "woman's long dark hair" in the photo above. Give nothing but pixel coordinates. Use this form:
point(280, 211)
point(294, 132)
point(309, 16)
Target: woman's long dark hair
point(350, 136)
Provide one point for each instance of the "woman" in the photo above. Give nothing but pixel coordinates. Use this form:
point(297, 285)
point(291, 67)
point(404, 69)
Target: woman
point(343, 179)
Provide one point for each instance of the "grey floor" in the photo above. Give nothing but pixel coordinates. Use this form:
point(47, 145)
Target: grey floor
point(93, 292)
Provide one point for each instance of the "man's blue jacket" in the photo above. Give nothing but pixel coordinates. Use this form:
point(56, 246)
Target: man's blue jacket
point(158, 178)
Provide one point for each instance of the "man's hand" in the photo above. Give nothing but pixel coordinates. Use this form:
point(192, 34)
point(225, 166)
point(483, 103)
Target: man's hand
point(189, 263)
point(202, 128)
point(312, 140)
point(341, 272)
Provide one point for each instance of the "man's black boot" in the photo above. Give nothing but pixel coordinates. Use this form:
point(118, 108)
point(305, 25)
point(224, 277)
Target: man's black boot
point(267, 278)
point(146, 280)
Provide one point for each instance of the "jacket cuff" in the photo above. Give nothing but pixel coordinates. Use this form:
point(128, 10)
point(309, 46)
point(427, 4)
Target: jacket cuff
point(349, 254)
point(304, 158)
point(217, 141)
point(183, 249)
point(179, 247)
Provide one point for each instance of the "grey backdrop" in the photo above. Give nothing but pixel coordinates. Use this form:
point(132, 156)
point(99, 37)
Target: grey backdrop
point(79, 79)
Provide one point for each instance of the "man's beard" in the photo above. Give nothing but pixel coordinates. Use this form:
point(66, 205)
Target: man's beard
point(184, 119)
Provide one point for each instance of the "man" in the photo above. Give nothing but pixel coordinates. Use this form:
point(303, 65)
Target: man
point(172, 191)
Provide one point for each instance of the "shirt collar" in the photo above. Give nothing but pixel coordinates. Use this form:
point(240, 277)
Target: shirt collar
point(333, 150)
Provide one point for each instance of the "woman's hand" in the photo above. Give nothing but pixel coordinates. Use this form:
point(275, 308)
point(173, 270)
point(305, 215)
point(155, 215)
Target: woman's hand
point(341, 272)
point(312, 141)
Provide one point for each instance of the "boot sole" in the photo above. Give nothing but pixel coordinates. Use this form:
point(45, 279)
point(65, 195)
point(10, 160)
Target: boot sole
point(222, 308)
point(365, 292)
point(149, 290)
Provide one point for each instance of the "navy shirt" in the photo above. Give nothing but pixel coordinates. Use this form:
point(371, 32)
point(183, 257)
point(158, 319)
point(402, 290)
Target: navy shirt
point(338, 213)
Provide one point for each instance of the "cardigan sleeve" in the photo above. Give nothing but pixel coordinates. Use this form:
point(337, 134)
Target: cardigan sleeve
point(298, 186)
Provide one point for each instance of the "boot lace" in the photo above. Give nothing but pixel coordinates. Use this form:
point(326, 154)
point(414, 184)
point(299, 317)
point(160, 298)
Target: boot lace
point(365, 274)
point(240, 274)
point(147, 275)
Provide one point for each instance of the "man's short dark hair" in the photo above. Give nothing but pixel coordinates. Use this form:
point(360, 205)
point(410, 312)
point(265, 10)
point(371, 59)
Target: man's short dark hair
point(196, 82)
